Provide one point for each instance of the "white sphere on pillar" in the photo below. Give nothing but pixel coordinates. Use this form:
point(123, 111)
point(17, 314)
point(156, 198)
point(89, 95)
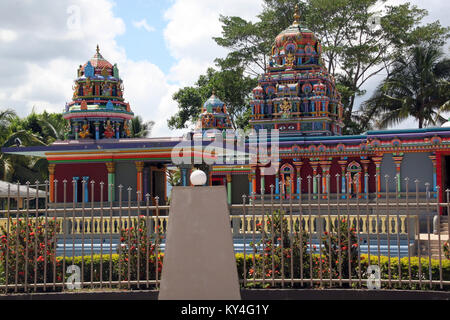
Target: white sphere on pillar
point(198, 178)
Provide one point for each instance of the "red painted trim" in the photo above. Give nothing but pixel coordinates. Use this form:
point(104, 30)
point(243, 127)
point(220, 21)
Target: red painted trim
point(439, 177)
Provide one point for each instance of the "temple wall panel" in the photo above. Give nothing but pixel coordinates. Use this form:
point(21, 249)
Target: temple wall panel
point(126, 174)
point(269, 180)
point(307, 170)
point(95, 171)
point(417, 166)
point(240, 186)
point(334, 170)
point(372, 180)
point(388, 168)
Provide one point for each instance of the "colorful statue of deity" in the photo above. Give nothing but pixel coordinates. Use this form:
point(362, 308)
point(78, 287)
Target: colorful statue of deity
point(290, 60)
point(85, 132)
point(285, 107)
point(109, 130)
point(88, 88)
point(126, 129)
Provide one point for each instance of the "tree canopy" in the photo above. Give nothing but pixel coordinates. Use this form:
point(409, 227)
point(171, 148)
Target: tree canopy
point(359, 40)
point(418, 86)
point(229, 83)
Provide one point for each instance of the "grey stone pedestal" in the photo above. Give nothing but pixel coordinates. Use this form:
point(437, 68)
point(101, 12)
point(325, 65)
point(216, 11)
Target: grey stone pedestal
point(199, 261)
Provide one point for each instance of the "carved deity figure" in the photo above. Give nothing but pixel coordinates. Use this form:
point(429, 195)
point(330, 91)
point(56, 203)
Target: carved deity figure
point(126, 129)
point(85, 132)
point(88, 87)
point(290, 60)
point(106, 89)
point(109, 130)
point(76, 88)
point(285, 107)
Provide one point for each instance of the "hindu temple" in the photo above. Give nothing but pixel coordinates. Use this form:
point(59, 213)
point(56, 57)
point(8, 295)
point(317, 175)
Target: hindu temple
point(297, 95)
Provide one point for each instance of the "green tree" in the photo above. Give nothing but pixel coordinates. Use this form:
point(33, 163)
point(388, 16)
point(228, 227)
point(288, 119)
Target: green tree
point(354, 51)
point(418, 86)
point(26, 132)
point(139, 128)
point(230, 85)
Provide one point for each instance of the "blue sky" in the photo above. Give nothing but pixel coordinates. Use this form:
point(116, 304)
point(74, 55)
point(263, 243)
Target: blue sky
point(159, 46)
point(140, 43)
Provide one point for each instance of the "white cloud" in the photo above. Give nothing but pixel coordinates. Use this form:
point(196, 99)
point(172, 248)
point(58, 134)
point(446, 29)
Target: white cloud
point(42, 44)
point(143, 24)
point(7, 35)
point(191, 26)
point(44, 49)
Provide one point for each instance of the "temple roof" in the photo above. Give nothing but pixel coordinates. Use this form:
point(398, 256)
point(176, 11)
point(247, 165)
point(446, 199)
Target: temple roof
point(297, 31)
point(98, 61)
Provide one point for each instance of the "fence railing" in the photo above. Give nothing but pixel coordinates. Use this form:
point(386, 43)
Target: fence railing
point(281, 241)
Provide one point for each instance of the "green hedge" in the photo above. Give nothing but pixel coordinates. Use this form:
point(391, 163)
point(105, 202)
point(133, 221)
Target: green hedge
point(384, 265)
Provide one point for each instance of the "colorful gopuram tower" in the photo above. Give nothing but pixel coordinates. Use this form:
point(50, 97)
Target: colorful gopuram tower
point(98, 110)
point(297, 94)
point(214, 116)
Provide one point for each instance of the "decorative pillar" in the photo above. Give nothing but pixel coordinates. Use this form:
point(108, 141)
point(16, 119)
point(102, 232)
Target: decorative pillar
point(117, 130)
point(298, 169)
point(263, 184)
point(377, 160)
point(76, 128)
point(229, 195)
point(140, 169)
point(75, 194)
point(97, 130)
point(277, 185)
point(365, 165)
point(439, 159)
point(146, 176)
point(51, 174)
point(111, 168)
point(86, 189)
point(398, 158)
point(343, 164)
point(253, 175)
point(433, 159)
point(326, 165)
point(315, 166)
point(183, 172)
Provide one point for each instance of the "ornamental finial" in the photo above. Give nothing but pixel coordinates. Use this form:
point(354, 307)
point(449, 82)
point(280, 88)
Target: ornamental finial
point(297, 15)
point(98, 49)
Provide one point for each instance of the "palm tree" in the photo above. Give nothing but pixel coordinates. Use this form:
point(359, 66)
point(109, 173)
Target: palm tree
point(418, 86)
point(139, 128)
point(15, 168)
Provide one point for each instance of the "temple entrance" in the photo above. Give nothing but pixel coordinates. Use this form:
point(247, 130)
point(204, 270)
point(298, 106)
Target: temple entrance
point(354, 178)
point(287, 181)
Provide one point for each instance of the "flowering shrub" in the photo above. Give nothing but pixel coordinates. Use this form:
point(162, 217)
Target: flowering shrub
point(446, 250)
point(138, 252)
point(279, 254)
point(27, 252)
point(340, 251)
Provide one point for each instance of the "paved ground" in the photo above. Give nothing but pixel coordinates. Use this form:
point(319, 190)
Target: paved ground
point(260, 295)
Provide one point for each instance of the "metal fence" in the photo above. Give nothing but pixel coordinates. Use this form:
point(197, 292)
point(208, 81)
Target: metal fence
point(392, 239)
